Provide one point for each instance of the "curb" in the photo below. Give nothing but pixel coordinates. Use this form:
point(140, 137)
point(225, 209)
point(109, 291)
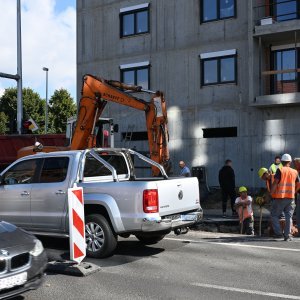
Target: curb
point(230, 225)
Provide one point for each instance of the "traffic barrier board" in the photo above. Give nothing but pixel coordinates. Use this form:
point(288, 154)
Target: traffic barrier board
point(76, 224)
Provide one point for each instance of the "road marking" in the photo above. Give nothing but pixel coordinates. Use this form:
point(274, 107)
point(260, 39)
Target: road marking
point(253, 292)
point(234, 244)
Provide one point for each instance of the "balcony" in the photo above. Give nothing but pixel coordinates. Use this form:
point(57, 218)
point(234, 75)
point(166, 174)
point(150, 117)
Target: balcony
point(279, 88)
point(273, 18)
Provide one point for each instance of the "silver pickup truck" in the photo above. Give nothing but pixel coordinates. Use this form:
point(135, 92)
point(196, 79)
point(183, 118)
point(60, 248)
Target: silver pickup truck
point(34, 189)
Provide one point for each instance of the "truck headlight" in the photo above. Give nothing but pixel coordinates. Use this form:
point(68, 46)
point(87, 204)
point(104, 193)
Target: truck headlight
point(38, 248)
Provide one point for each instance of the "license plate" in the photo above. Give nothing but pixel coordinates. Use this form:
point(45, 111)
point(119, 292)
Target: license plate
point(11, 281)
point(190, 217)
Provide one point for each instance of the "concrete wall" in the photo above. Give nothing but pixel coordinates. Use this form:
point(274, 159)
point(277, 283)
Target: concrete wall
point(173, 46)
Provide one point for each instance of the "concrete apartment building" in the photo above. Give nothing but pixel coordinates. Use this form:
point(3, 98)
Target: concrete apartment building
point(229, 70)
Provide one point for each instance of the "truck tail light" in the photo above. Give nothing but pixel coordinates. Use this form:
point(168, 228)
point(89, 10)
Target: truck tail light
point(150, 201)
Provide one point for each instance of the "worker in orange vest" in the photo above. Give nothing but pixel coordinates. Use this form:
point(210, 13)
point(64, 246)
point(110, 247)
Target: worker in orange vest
point(283, 191)
point(266, 175)
point(243, 206)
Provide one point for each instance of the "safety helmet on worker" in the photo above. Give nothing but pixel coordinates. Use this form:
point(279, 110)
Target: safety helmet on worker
point(242, 189)
point(262, 171)
point(286, 157)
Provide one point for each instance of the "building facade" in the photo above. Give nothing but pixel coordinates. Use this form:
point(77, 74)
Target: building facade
point(229, 70)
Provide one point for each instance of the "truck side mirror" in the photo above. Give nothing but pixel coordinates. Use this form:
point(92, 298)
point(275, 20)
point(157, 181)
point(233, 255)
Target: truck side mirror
point(116, 128)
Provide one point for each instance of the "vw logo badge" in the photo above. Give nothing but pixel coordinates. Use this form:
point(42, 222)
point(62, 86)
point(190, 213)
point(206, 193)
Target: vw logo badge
point(4, 252)
point(180, 195)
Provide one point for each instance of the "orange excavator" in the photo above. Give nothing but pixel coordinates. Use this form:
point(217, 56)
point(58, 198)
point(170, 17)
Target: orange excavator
point(96, 92)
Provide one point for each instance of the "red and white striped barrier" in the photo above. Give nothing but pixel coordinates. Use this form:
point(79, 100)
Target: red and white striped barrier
point(76, 224)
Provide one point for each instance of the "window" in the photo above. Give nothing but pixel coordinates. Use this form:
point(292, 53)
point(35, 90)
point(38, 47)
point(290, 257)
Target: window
point(284, 63)
point(137, 74)
point(221, 132)
point(219, 67)
point(21, 173)
point(212, 10)
point(137, 135)
point(134, 20)
point(94, 168)
point(284, 10)
point(54, 169)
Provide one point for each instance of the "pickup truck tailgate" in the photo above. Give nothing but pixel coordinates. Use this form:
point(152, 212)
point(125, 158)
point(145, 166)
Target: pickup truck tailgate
point(178, 195)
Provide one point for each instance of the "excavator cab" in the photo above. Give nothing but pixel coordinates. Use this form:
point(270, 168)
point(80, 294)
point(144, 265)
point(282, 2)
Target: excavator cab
point(104, 132)
point(105, 129)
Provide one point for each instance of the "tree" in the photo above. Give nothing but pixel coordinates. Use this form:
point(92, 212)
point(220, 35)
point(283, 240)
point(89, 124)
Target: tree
point(33, 107)
point(61, 107)
point(3, 123)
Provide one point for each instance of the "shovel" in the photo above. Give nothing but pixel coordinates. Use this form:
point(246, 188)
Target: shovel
point(242, 222)
point(260, 219)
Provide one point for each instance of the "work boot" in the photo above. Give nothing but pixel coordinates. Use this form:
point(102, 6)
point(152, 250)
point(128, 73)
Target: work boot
point(288, 238)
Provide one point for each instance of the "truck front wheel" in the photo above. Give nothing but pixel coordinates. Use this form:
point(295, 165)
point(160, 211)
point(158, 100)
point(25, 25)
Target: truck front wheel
point(100, 239)
point(150, 239)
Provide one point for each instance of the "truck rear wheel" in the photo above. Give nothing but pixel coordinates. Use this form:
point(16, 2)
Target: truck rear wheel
point(150, 239)
point(100, 239)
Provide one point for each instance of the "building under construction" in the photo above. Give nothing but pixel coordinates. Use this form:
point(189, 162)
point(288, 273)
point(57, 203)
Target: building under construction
point(229, 70)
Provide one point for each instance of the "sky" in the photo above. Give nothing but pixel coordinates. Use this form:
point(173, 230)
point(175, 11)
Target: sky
point(48, 40)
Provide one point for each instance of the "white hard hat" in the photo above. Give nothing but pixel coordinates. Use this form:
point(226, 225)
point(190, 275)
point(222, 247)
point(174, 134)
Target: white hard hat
point(286, 157)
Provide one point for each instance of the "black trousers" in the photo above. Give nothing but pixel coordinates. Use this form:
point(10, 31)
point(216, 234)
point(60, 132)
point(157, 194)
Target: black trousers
point(225, 194)
point(248, 226)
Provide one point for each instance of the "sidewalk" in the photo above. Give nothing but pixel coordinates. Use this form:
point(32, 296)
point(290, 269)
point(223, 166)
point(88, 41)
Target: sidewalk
point(213, 220)
point(216, 215)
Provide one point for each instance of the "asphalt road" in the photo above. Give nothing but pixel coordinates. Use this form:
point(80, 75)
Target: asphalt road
point(193, 266)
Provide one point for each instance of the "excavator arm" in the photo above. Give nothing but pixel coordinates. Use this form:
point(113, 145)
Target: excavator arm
point(96, 92)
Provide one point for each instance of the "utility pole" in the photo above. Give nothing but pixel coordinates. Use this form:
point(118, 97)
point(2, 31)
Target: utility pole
point(19, 70)
point(18, 76)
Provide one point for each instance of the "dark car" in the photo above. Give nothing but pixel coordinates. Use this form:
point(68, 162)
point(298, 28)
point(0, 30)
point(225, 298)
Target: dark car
point(22, 261)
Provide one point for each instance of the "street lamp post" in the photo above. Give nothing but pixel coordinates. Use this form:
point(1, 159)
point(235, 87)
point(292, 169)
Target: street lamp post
point(46, 107)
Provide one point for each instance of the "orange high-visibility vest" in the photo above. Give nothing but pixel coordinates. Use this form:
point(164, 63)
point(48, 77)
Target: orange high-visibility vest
point(286, 186)
point(244, 212)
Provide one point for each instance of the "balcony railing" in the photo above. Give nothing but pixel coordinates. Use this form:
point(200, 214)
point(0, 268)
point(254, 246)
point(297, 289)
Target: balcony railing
point(269, 13)
point(280, 82)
